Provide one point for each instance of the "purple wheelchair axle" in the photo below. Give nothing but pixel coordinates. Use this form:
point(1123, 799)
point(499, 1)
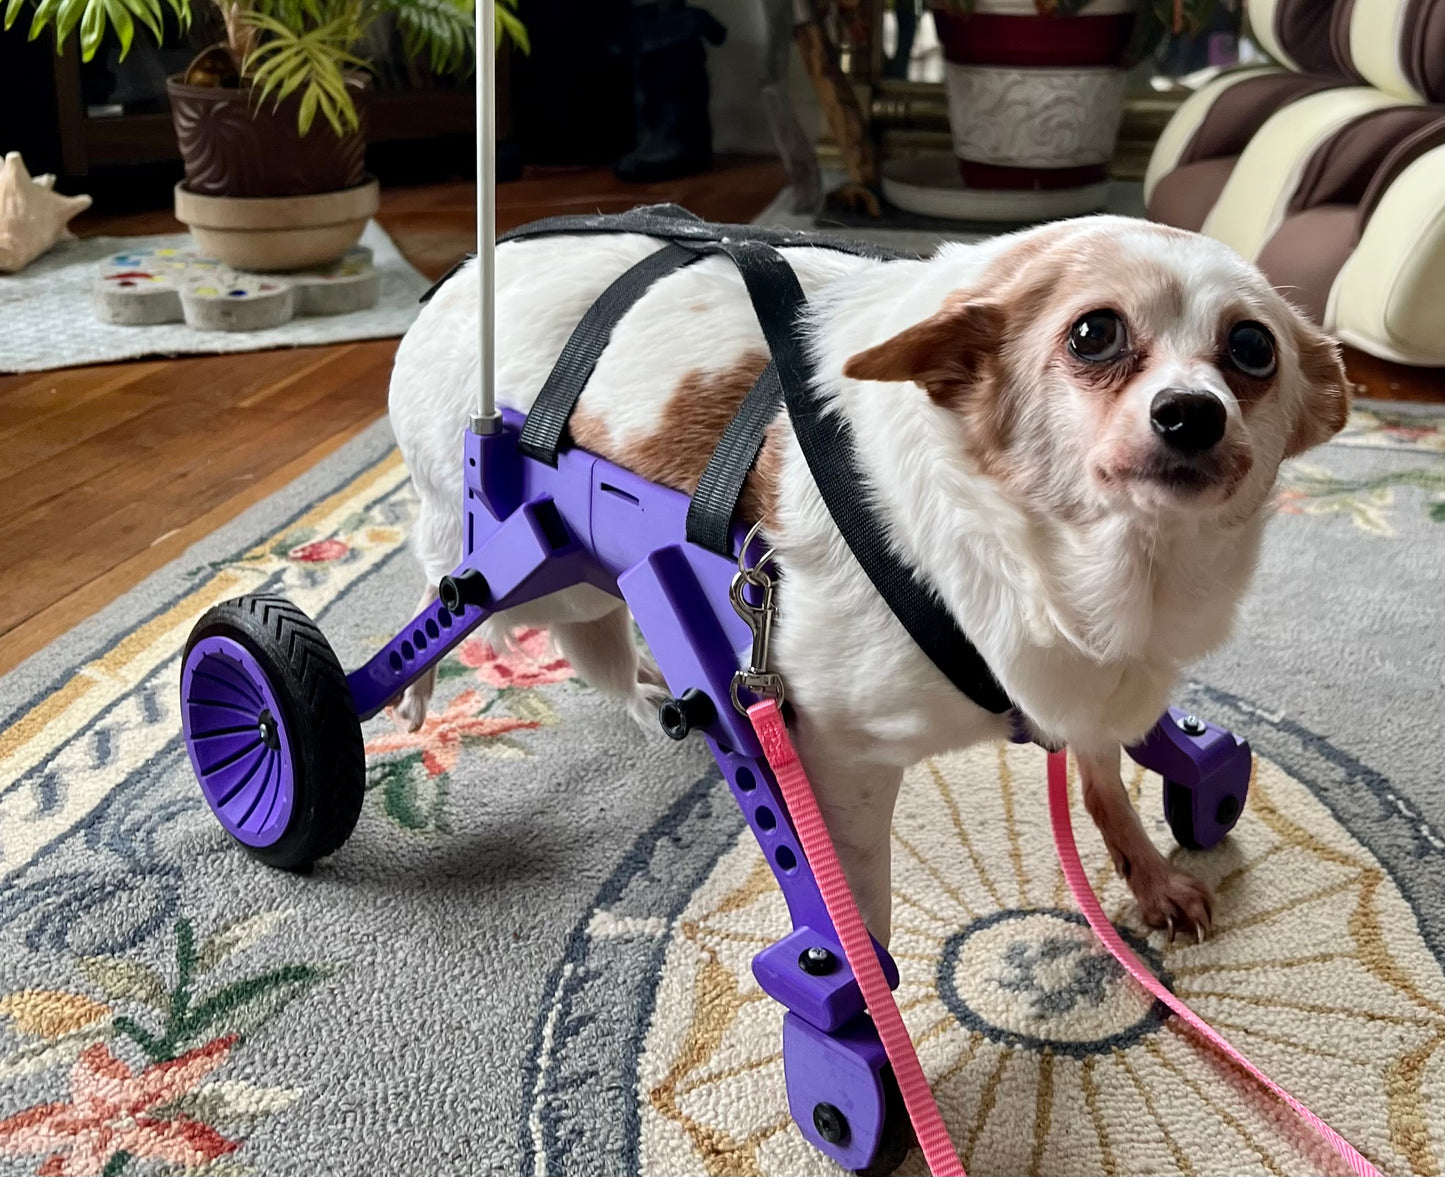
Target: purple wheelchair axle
point(534, 529)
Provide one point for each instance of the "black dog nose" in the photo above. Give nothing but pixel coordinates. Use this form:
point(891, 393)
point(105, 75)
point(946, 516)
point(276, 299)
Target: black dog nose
point(1189, 422)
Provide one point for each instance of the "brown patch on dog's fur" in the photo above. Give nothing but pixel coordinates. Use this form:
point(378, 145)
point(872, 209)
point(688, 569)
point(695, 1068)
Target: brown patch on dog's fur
point(688, 430)
point(1327, 390)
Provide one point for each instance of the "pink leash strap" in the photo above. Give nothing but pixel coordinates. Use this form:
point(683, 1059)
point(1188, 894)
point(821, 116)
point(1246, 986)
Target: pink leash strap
point(1103, 928)
point(782, 757)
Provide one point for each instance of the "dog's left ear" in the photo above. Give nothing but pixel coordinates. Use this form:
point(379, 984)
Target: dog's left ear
point(1326, 403)
point(943, 354)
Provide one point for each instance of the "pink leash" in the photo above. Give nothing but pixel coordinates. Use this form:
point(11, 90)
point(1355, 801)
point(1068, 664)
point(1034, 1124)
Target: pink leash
point(818, 849)
point(928, 1125)
point(1089, 904)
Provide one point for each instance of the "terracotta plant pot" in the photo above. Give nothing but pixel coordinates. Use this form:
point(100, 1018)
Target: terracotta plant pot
point(278, 232)
point(1035, 101)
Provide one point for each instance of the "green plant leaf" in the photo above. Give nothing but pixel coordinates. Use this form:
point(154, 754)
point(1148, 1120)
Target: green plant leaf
point(68, 14)
point(121, 21)
point(148, 12)
point(509, 26)
point(126, 980)
point(44, 12)
point(12, 10)
point(236, 936)
point(92, 29)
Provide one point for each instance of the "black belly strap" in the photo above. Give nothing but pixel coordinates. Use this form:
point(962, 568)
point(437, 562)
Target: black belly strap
point(825, 439)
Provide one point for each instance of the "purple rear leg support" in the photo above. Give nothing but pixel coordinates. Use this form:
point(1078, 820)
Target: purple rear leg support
point(529, 555)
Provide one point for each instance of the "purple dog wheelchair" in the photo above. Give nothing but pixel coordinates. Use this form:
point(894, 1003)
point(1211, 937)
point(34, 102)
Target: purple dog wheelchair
point(273, 724)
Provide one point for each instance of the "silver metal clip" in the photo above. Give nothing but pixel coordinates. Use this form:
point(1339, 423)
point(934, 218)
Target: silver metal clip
point(757, 680)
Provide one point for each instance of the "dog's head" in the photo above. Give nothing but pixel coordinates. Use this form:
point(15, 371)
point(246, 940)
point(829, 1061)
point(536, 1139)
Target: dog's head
point(1106, 365)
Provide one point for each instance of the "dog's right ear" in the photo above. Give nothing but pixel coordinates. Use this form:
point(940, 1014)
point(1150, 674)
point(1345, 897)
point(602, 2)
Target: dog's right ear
point(943, 354)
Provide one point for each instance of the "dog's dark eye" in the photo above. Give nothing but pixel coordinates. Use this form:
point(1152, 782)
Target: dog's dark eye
point(1251, 349)
point(1098, 337)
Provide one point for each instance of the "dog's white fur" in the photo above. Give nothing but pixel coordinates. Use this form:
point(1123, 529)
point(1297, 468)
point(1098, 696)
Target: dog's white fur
point(1085, 583)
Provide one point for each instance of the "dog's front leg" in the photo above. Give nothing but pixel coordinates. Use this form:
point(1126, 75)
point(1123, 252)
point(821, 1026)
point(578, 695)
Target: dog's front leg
point(856, 799)
point(1168, 898)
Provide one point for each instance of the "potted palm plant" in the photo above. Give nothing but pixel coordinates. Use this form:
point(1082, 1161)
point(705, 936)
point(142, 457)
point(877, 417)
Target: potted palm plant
point(1036, 90)
point(271, 122)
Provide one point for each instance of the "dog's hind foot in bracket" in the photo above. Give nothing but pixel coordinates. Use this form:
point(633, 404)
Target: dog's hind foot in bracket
point(408, 709)
point(606, 658)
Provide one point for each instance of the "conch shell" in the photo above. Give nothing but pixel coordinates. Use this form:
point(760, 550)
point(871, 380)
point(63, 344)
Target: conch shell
point(32, 216)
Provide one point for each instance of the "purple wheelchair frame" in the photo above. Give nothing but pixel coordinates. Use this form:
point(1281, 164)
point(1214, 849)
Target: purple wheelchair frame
point(531, 530)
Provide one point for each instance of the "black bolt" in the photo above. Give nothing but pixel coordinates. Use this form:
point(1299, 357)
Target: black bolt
point(467, 588)
point(1192, 725)
point(817, 961)
point(830, 1123)
point(270, 730)
point(1226, 813)
point(680, 716)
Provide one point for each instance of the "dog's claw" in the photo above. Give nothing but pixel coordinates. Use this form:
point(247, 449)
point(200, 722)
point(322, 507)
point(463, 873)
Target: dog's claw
point(1175, 902)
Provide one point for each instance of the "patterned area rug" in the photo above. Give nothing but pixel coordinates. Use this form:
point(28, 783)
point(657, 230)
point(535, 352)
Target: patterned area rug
point(532, 956)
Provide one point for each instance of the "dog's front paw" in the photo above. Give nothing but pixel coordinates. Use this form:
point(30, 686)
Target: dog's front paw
point(1174, 901)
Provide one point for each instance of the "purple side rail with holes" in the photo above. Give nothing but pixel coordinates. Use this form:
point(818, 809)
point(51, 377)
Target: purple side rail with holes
point(531, 530)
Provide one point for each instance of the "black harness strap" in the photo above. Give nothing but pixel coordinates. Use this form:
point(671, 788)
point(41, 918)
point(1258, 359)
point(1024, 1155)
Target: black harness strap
point(715, 501)
point(828, 448)
point(547, 418)
point(672, 222)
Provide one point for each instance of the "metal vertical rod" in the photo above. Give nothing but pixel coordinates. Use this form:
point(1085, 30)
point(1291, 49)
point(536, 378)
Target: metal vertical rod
point(486, 419)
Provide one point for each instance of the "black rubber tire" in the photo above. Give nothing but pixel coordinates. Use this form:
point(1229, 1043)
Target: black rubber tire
point(1179, 813)
point(897, 1137)
point(319, 719)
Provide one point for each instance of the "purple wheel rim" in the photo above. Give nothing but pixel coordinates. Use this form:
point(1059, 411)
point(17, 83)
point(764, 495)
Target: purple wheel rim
point(237, 739)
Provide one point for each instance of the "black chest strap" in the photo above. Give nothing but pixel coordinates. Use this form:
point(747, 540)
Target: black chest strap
point(827, 445)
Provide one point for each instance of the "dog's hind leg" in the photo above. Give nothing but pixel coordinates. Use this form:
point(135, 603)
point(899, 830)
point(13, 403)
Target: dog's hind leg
point(605, 656)
point(408, 711)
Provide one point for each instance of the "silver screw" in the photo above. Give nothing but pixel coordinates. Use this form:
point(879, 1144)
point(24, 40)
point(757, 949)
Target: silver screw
point(1192, 725)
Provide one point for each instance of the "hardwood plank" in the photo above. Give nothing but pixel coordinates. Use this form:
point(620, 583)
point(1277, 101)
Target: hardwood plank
point(95, 593)
point(86, 533)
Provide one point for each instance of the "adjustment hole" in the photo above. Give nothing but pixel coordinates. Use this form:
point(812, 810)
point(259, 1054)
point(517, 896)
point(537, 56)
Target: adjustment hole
point(418, 639)
point(765, 818)
point(407, 652)
point(745, 780)
point(445, 617)
point(431, 626)
point(786, 859)
point(395, 660)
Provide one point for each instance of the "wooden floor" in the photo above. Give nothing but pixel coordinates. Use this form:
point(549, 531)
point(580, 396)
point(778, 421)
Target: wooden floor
point(109, 472)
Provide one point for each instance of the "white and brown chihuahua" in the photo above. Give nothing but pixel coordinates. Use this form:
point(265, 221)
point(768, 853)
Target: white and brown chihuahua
point(1072, 432)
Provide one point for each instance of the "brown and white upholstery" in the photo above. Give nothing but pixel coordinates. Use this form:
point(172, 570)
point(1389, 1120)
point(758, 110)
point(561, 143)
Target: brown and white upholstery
point(1327, 170)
